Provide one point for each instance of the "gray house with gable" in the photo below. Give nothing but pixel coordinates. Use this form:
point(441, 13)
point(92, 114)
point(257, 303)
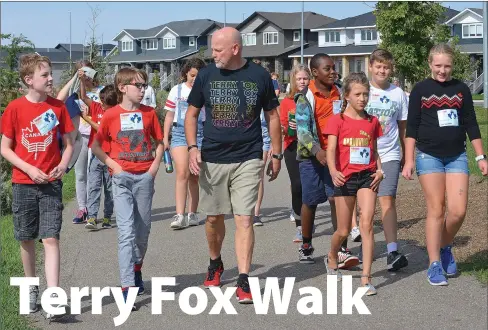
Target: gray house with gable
point(163, 47)
point(270, 37)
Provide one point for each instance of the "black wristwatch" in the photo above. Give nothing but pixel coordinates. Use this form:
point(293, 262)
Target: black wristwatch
point(192, 146)
point(278, 156)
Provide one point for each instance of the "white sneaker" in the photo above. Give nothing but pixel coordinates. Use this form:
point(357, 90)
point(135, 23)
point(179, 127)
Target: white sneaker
point(193, 219)
point(355, 234)
point(179, 222)
point(292, 216)
point(53, 317)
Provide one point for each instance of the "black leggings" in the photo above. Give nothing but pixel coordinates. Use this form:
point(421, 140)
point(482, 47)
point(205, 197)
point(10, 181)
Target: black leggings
point(290, 155)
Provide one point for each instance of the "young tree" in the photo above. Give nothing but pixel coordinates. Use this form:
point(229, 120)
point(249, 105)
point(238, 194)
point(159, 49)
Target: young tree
point(409, 30)
point(9, 90)
point(9, 75)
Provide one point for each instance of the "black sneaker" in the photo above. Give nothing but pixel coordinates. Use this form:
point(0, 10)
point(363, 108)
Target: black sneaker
point(396, 261)
point(305, 254)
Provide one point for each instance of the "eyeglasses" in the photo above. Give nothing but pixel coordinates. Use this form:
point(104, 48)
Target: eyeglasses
point(139, 85)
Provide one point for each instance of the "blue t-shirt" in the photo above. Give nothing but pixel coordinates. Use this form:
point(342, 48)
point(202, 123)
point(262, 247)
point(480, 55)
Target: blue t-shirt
point(275, 84)
point(233, 100)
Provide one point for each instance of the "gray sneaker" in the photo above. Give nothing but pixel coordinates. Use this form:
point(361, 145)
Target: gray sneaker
point(33, 294)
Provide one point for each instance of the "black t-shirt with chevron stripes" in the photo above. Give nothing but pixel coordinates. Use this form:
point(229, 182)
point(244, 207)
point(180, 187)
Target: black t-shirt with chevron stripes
point(440, 114)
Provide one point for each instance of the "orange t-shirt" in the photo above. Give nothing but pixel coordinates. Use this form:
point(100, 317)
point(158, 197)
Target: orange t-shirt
point(129, 135)
point(34, 128)
point(323, 110)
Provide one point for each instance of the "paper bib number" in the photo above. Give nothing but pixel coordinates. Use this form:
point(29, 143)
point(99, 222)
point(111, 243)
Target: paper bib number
point(448, 117)
point(131, 121)
point(336, 106)
point(360, 155)
point(46, 122)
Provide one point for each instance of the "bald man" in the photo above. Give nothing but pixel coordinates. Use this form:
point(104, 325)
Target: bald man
point(233, 91)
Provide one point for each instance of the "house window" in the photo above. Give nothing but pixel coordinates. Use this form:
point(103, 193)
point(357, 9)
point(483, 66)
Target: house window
point(191, 42)
point(248, 39)
point(149, 44)
point(333, 36)
point(369, 35)
point(296, 35)
point(473, 30)
point(169, 43)
point(270, 38)
point(127, 46)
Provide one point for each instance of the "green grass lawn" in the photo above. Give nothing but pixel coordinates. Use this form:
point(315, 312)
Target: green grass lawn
point(477, 96)
point(11, 266)
point(477, 264)
point(482, 117)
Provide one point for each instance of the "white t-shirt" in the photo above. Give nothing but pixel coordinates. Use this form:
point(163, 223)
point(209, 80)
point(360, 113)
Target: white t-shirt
point(173, 100)
point(389, 106)
point(149, 98)
point(94, 95)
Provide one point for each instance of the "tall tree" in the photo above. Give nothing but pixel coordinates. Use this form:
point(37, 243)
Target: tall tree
point(9, 90)
point(409, 30)
point(9, 75)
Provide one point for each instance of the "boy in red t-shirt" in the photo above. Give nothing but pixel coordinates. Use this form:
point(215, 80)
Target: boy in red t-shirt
point(30, 125)
point(98, 173)
point(355, 167)
point(128, 128)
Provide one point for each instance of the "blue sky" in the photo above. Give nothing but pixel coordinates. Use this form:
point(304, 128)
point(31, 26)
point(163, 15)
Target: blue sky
point(47, 23)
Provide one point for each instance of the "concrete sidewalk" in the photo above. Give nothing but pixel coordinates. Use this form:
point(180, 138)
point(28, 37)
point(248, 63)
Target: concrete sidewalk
point(404, 300)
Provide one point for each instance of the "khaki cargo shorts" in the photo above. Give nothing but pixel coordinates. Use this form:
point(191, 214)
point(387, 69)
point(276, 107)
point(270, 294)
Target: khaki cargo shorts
point(229, 188)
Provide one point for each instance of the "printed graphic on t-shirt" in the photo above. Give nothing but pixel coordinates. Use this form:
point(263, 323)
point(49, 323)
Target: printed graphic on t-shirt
point(384, 109)
point(456, 101)
point(37, 142)
point(225, 100)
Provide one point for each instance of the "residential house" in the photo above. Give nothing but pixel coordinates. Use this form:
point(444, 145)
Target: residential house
point(60, 56)
point(467, 25)
point(103, 49)
point(163, 47)
point(270, 37)
point(349, 42)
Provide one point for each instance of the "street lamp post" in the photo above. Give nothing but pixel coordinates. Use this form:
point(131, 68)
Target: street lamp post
point(485, 53)
point(70, 59)
point(301, 36)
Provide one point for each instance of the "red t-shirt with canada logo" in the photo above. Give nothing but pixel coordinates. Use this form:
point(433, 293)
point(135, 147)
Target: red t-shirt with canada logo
point(128, 134)
point(34, 127)
point(355, 143)
point(96, 112)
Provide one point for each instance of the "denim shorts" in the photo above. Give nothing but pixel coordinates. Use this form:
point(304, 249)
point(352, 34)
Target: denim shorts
point(427, 164)
point(266, 138)
point(316, 181)
point(37, 210)
point(178, 138)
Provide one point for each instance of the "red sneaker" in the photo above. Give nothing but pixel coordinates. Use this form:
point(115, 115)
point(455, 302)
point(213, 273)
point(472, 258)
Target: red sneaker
point(213, 276)
point(243, 293)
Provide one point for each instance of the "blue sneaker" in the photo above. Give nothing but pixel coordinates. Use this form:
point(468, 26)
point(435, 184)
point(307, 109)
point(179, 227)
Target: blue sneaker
point(125, 293)
point(139, 282)
point(448, 262)
point(435, 274)
point(80, 217)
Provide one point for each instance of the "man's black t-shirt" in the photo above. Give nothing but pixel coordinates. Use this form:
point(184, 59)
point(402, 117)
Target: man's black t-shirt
point(233, 100)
